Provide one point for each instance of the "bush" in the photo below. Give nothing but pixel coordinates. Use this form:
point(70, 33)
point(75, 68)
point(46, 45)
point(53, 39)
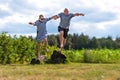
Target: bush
point(74, 55)
point(102, 56)
point(24, 49)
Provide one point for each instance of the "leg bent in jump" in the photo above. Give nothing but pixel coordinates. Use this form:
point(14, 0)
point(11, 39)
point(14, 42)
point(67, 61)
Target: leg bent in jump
point(38, 51)
point(46, 44)
point(61, 39)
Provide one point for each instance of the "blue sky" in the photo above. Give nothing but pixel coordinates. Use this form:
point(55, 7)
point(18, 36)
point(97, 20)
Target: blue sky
point(102, 17)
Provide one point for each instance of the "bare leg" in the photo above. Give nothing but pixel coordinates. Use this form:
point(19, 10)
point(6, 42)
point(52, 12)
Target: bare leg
point(46, 43)
point(39, 45)
point(61, 40)
point(64, 42)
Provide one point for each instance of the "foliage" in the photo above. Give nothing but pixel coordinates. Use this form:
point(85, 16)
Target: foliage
point(102, 56)
point(24, 49)
point(78, 42)
point(16, 50)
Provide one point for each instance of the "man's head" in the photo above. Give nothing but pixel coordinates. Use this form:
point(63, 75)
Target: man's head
point(66, 11)
point(41, 17)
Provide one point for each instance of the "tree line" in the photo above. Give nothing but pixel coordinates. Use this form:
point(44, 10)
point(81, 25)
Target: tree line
point(81, 41)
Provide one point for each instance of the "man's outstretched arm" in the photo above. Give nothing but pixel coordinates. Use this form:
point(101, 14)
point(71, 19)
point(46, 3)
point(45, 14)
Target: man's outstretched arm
point(78, 14)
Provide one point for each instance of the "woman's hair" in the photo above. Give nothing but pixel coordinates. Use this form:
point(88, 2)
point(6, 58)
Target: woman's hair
point(40, 15)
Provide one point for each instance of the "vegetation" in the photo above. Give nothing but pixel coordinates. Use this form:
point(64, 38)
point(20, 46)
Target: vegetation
point(78, 42)
point(78, 49)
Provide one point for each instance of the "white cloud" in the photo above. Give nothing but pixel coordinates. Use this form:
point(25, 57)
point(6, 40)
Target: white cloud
point(79, 27)
point(94, 12)
point(4, 7)
point(15, 18)
point(83, 26)
point(45, 5)
point(105, 25)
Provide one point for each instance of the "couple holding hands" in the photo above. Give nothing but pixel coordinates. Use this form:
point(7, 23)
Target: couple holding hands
point(63, 28)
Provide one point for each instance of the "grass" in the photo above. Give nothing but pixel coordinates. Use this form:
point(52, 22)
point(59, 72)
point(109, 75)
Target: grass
point(71, 71)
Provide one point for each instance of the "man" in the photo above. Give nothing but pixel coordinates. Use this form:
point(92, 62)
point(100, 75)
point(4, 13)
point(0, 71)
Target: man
point(63, 27)
point(41, 31)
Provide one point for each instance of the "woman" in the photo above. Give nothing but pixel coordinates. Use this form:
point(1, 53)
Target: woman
point(41, 31)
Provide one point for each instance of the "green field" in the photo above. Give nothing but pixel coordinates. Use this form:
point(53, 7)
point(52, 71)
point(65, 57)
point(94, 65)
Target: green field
point(71, 71)
point(84, 64)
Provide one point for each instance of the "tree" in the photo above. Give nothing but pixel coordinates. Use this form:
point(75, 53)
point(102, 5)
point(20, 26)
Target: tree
point(75, 41)
point(52, 40)
point(69, 42)
point(94, 43)
point(83, 41)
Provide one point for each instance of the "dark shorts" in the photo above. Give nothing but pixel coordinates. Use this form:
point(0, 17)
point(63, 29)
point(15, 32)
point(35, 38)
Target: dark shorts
point(64, 30)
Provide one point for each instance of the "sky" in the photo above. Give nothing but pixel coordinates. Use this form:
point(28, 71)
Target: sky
point(102, 17)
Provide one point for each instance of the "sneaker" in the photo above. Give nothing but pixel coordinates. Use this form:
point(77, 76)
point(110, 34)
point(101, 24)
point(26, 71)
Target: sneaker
point(42, 57)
